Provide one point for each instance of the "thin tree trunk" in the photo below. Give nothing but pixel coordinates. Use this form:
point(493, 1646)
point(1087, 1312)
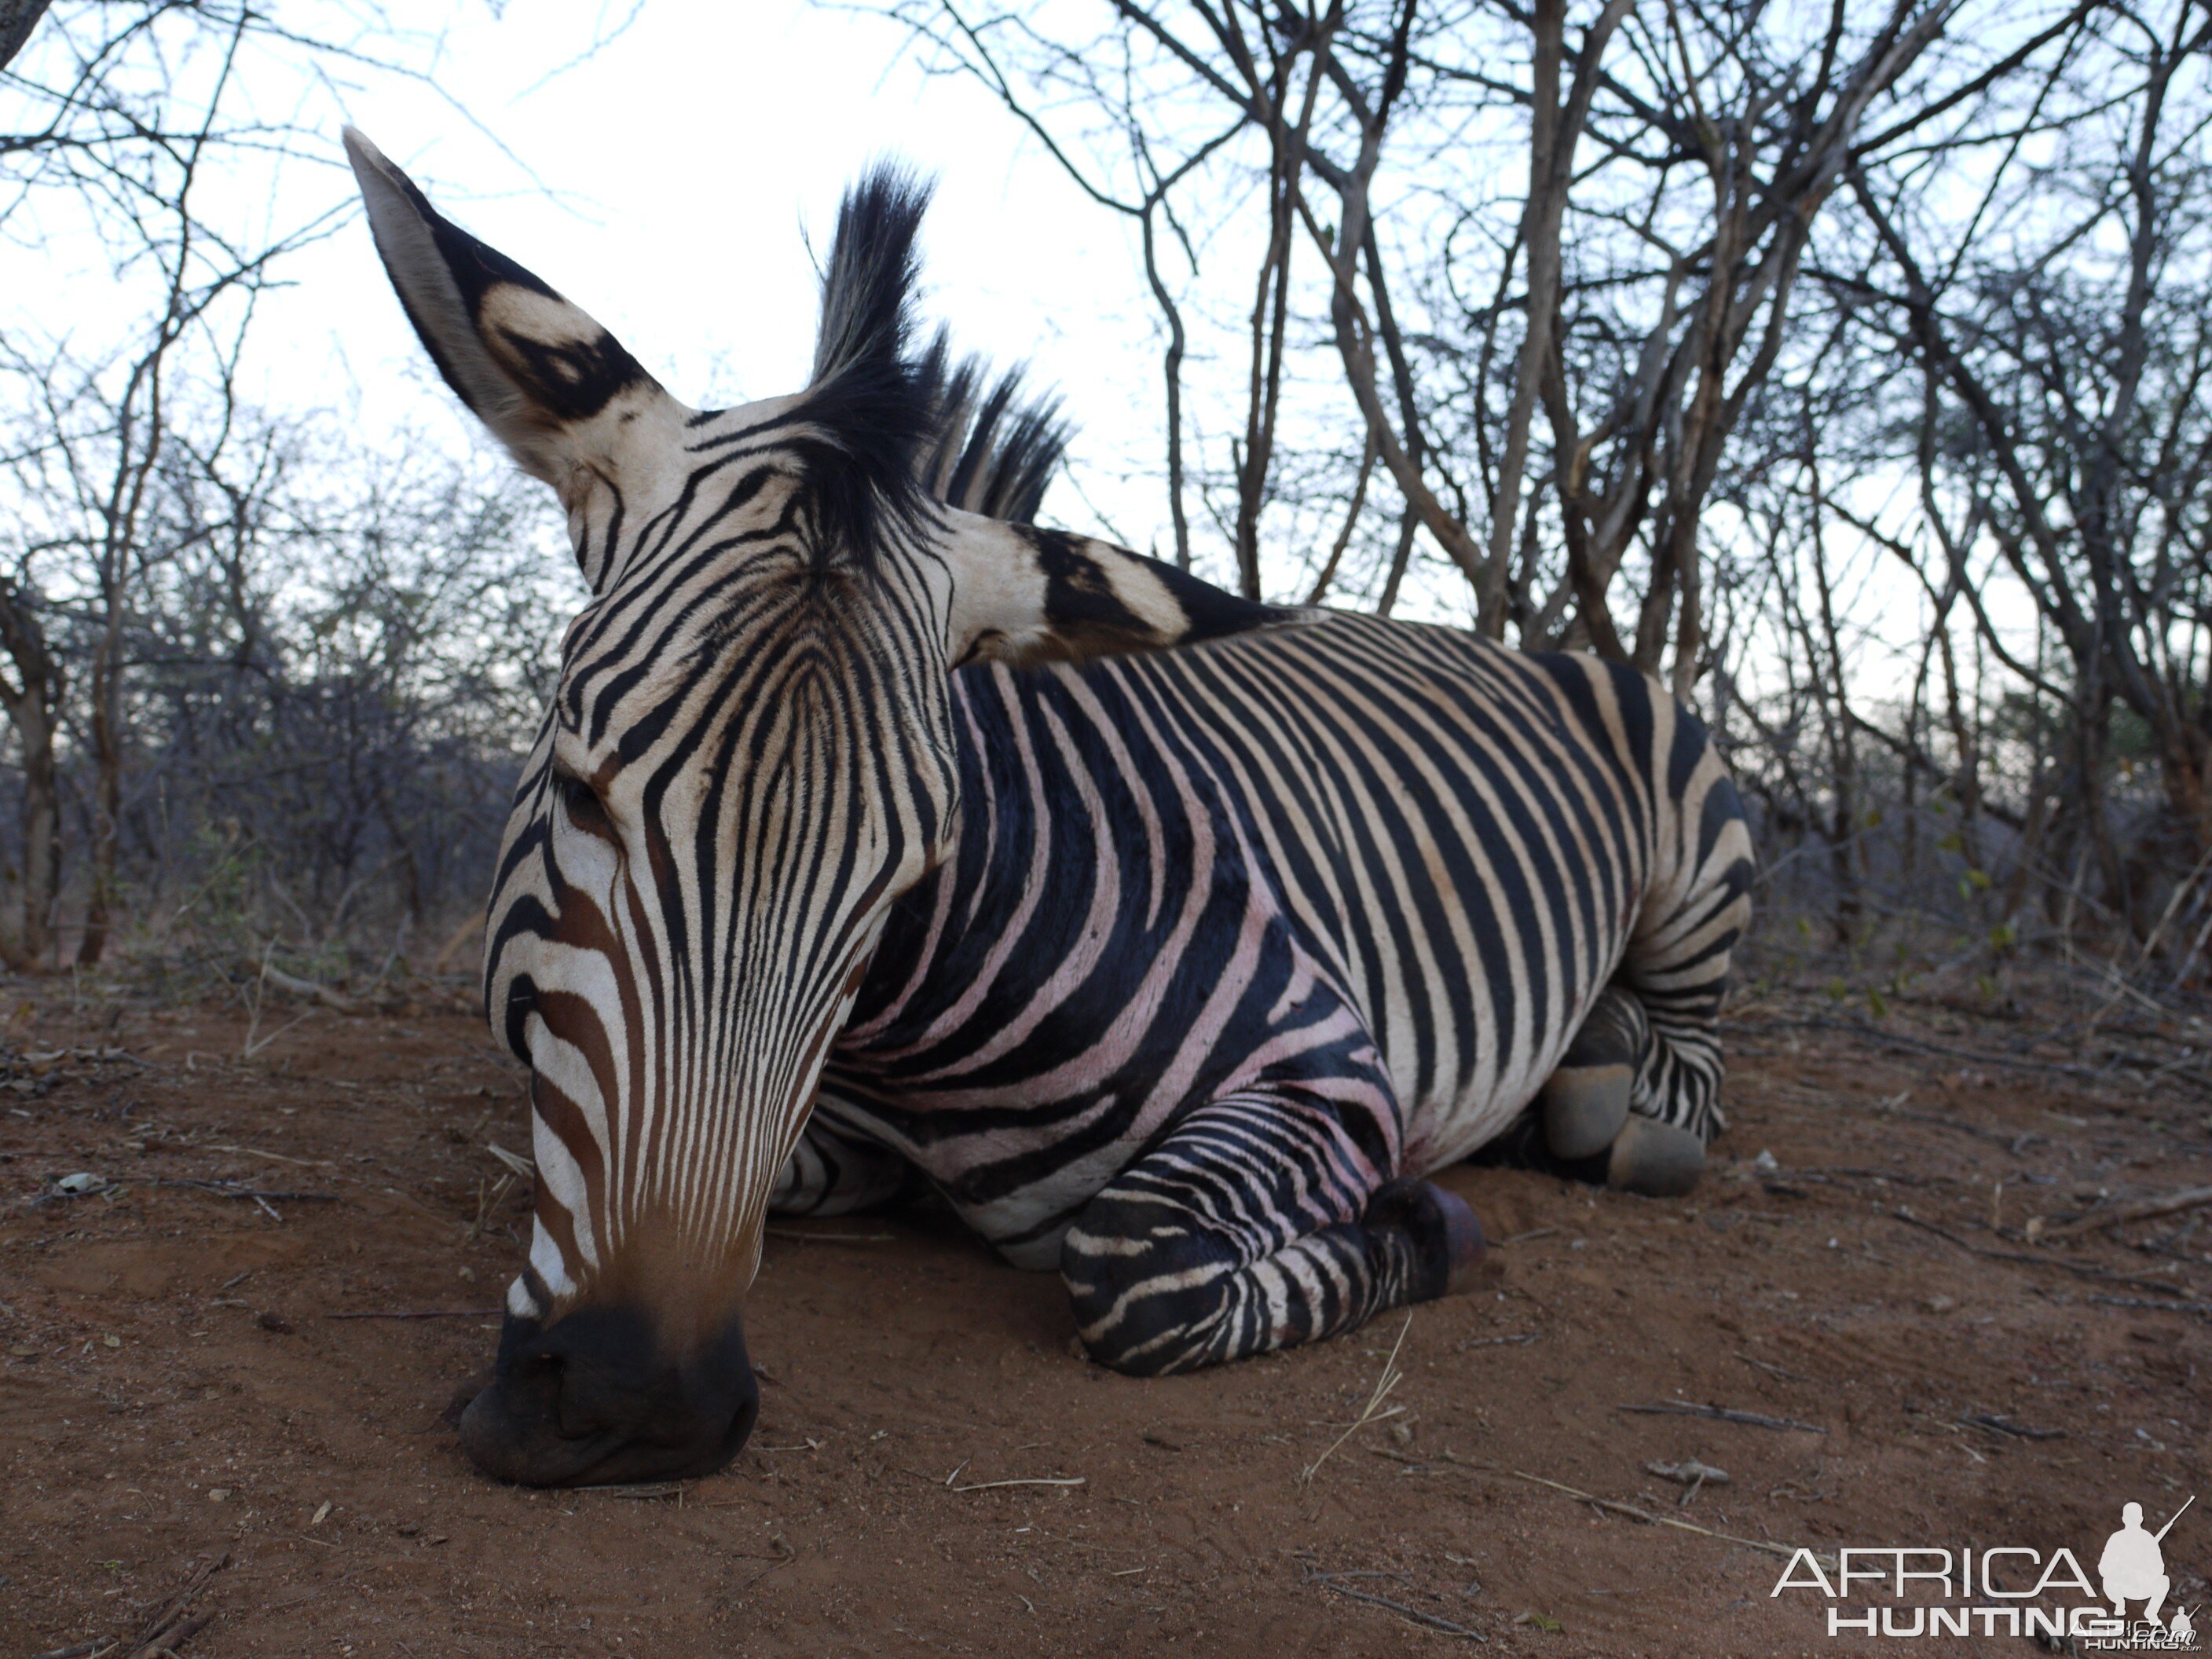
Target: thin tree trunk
point(107, 802)
point(42, 834)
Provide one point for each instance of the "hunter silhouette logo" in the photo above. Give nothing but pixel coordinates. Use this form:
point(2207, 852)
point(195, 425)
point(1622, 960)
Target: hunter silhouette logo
point(2133, 1565)
point(2006, 1590)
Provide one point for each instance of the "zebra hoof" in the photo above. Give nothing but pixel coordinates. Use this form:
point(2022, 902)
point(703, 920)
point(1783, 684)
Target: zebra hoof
point(1585, 1109)
point(1450, 1252)
point(1656, 1159)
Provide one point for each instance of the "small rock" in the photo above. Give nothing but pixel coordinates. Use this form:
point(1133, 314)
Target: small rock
point(218, 1494)
point(1936, 1304)
point(1766, 1163)
point(111, 1340)
point(469, 1274)
point(25, 1351)
point(77, 1185)
point(274, 1321)
point(1402, 1433)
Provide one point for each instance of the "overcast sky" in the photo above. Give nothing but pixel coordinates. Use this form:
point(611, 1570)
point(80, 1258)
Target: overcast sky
point(669, 183)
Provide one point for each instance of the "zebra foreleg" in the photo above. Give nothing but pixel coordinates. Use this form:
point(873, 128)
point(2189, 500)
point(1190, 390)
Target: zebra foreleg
point(1256, 1223)
point(834, 1172)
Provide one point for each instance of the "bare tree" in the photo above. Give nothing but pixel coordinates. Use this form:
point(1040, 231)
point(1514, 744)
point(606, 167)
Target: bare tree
point(2066, 437)
point(1635, 285)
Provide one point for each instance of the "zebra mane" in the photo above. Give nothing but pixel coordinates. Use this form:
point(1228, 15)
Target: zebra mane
point(869, 397)
point(901, 429)
point(994, 451)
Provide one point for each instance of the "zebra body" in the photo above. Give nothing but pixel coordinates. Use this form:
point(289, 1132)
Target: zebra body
point(1385, 866)
point(1174, 936)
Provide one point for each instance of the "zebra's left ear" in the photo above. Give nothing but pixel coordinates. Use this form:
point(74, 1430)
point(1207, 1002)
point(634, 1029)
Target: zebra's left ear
point(554, 386)
point(1025, 595)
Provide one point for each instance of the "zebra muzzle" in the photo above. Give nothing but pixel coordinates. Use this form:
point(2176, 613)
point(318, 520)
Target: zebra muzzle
point(596, 1398)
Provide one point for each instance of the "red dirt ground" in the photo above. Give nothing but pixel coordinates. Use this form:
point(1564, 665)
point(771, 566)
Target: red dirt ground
point(172, 1385)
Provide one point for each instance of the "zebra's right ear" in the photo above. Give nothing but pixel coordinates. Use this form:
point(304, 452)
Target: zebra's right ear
point(554, 386)
point(1021, 594)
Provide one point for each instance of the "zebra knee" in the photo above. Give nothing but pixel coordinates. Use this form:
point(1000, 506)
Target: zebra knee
point(1148, 1291)
point(1155, 1292)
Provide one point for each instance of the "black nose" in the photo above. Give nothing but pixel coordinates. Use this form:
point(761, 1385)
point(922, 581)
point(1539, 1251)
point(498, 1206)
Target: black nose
point(597, 1399)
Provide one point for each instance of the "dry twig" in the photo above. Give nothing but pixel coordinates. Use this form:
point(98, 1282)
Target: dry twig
point(1765, 1546)
point(1390, 1378)
point(423, 1313)
point(168, 1628)
point(1038, 1480)
point(1721, 1414)
point(2141, 1209)
point(2080, 1269)
point(1333, 1583)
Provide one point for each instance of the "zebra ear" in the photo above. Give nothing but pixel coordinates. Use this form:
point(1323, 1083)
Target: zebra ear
point(1025, 595)
point(551, 384)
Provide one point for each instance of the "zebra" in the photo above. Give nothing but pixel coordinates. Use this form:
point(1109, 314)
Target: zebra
point(876, 838)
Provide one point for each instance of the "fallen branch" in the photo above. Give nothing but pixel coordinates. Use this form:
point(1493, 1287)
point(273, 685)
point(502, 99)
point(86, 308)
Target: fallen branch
point(1765, 1546)
point(2079, 1269)
point(309, 989)
point(1038, 1480)
point(169, 1627)
point(423, 1313)
point(2141, 1209)
point(166, 1645)
point(225, 1189)
point(2201, 1309)
point(1995, 1423)
point(1721, 1414)
point(1330, 1582)
point(275, 1157)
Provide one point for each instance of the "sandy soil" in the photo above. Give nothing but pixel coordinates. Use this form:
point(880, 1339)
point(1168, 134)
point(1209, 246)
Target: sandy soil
point(175, 1385)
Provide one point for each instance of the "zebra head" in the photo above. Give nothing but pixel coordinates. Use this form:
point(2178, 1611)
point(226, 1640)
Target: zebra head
point(748, 759)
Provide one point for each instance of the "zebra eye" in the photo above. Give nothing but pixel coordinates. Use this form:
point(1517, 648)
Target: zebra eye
point(585, 808)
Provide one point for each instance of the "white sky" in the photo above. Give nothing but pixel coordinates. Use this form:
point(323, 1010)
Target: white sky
point(667, 183)
point(689, 162)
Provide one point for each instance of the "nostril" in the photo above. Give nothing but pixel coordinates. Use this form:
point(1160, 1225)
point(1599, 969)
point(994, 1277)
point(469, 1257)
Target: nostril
point(741, 1426)
point(561, 1393)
